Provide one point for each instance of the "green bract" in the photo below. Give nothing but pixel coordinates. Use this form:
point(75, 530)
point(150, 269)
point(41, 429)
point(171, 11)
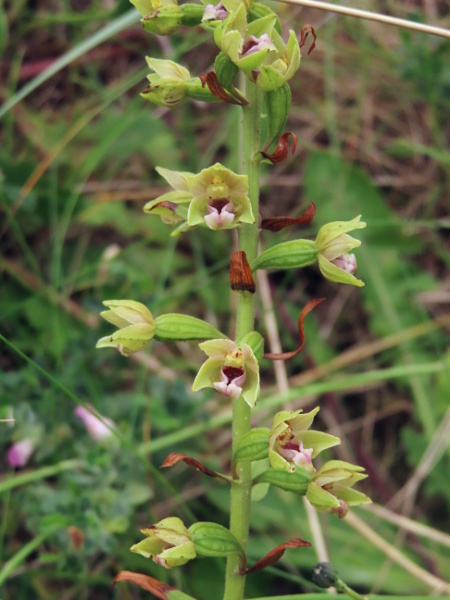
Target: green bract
point(230, 370)
point(167, 543)
point(333, 245)
point(292, 445)
point(173, 327)
point(216, 198)
point(330, 489)
point(136, 326)
point(296, 482)
point(247, 45)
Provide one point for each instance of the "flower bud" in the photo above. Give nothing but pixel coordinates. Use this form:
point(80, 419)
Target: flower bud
point(97, 428)
point(324, 575)
point(333, 246)
point(167, 543)
point(168, 84)
point(136, 326)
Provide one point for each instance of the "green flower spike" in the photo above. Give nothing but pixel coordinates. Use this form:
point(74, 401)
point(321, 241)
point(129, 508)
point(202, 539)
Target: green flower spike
point(219, 199)
point(230, 370)
point(167, 543)
point(280, 66)
point(333, 245)
point(136, 326)
point(162, 17)
point(331, 488)
point(292, 445)
point(246, 45)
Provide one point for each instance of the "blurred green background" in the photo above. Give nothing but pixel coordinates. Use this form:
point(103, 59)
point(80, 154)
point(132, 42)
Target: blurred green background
point(77, 156)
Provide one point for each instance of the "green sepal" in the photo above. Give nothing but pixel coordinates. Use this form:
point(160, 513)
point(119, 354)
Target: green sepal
point(254, 445)
point(259, 10)
point(278, 105)
point(192, 14)
point(320, 498)
point(225, 69)
point(296, 482)
point(164, 21)
point(256, 343)
point(214, 540)
point(287, 255)
point(173, 327)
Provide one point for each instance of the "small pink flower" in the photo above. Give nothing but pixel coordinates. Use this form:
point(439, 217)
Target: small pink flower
point(254, 44)
point(215, 13)
point(220, 215)
point(19, 453)
point(346, 262)
point(232, 380)
point(97, 428)
point(293, 451)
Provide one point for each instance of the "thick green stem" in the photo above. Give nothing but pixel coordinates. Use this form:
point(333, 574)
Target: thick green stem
point(248, 242)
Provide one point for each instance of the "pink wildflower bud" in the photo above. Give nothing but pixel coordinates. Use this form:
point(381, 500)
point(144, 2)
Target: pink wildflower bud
point(342, 510)
point(97, 429)
point(19, 453)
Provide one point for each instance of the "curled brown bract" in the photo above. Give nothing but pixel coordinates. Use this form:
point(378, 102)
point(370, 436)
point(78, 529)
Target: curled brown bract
point(274, 555)
point(281, 152)
point(278, 223)
point(306, 30)
point(159, 589)
point(309, 306)
point(241, 278)
point(175, 457)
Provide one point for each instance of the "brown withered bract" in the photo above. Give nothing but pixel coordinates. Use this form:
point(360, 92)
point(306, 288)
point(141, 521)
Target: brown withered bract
point(241, 278)
point(278, 223)
point(175, 457)
point(282, 150)
point(158, 588)
point(275, 554)
point(301, 320)
point(215, 87)
point(306, 29)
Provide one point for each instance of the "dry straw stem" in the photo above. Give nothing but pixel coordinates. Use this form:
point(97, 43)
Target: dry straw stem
point(437, 585)
point(371, 16)
point(408, 525)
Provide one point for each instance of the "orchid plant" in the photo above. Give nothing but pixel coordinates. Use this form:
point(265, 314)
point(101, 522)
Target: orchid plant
point(253, 55)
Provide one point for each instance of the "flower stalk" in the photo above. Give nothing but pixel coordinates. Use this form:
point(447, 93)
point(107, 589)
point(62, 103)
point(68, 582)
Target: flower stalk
point(250, 131)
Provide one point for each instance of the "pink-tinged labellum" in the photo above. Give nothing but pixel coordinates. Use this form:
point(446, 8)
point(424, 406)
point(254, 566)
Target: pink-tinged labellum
point(281, 152)
point(241, 278)
point(278, 223)
point(175, 457)
point(306, 30)
point(309, 306)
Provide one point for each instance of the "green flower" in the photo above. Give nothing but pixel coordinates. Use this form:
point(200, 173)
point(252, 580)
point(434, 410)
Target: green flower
point(333, 246)
point(219, 199)
point(162, 17)
point(169, 83)
point(231, 370)
point(280, 66)
point(167, 543)
point(216, 198)
point(292, 444)
point(331, 488)
point(136, 326)
point(247, 45)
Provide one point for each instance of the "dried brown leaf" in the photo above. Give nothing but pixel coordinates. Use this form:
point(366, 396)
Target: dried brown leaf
point(274, 555)
point(159, 589)
point(306, 30)
point(175, 457)
point(282, 150)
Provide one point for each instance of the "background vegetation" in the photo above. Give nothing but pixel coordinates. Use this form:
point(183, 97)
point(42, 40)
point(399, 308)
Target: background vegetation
point(77, 158)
